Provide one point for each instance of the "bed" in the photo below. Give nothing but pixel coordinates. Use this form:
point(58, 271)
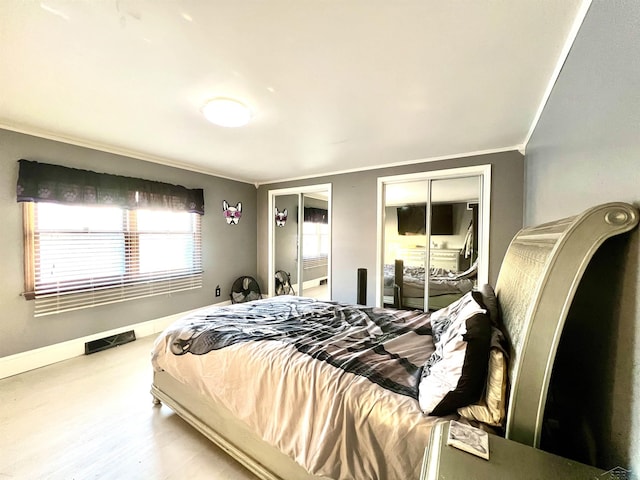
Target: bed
point(337, 409)
point(404, 285)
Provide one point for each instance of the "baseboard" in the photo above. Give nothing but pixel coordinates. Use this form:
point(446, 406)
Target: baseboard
point(312, 283)
point(40, 357)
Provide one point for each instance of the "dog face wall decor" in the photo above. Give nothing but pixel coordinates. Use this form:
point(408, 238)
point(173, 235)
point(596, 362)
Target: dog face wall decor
point(281, 217)
point(232, 214)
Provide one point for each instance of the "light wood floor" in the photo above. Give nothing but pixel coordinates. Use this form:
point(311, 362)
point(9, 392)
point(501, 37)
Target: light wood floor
point(321, 292)
point(92, 417)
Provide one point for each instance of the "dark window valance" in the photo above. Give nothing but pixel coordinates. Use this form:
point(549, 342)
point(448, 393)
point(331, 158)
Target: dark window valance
point(42, 182)
point(316, 215)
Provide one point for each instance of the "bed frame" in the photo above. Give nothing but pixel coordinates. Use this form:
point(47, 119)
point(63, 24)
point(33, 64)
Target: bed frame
point(536, 285)
point(399, 301)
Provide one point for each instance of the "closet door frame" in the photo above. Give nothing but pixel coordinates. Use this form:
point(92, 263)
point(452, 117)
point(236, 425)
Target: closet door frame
point(300, 191)
point(482, 171)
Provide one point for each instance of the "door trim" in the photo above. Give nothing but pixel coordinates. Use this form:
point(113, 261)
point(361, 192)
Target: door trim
point(323, 187)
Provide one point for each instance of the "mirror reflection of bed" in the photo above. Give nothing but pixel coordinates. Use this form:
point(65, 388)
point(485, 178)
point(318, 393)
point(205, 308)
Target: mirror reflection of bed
point(447, 257)
point(404, 285)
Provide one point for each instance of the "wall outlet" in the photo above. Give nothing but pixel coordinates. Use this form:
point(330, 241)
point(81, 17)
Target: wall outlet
point(218, 291)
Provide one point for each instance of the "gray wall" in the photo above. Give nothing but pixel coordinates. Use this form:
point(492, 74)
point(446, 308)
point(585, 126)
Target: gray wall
point(585, 151)
point(228, 251)
point(286, 240)
point(355, 222)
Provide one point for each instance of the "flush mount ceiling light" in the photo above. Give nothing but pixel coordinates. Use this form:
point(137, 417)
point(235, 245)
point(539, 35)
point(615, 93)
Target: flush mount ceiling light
point(226, 112)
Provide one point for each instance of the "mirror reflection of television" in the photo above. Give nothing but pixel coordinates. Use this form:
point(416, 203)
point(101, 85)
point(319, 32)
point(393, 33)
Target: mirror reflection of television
point(412, 219)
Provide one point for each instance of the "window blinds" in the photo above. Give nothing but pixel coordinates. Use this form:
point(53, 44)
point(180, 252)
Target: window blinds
point(89, 256)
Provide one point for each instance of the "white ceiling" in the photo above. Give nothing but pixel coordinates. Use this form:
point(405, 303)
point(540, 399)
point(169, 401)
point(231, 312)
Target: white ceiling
point(333, 85)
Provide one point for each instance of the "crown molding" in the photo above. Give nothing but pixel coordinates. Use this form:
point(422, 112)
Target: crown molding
point(476, 153)
point(125, 152)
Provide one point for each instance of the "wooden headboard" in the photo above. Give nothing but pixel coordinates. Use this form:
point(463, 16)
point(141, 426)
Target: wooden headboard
point(536, 285)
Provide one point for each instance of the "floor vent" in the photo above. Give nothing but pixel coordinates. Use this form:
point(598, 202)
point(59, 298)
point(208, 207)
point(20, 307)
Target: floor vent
point(108, 342)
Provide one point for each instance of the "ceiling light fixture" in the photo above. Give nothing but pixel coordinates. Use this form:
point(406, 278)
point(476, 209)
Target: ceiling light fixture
point(226, 112)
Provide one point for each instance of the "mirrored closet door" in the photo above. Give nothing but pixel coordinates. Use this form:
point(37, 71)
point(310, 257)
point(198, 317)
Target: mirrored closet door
point(300, 241)
point(433, 237)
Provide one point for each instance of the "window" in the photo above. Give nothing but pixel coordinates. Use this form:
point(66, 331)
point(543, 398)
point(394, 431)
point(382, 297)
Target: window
point(315, 238)
point(80, 256)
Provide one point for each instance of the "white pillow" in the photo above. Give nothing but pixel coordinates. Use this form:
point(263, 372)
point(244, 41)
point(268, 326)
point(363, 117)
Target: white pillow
point(455, 374)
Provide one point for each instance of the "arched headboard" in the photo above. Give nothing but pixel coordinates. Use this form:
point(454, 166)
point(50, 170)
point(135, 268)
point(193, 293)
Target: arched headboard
point(536, 285)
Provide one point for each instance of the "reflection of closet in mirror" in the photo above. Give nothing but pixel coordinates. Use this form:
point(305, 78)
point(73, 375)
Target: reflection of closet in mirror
point(433, 244)
point(306, 235)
